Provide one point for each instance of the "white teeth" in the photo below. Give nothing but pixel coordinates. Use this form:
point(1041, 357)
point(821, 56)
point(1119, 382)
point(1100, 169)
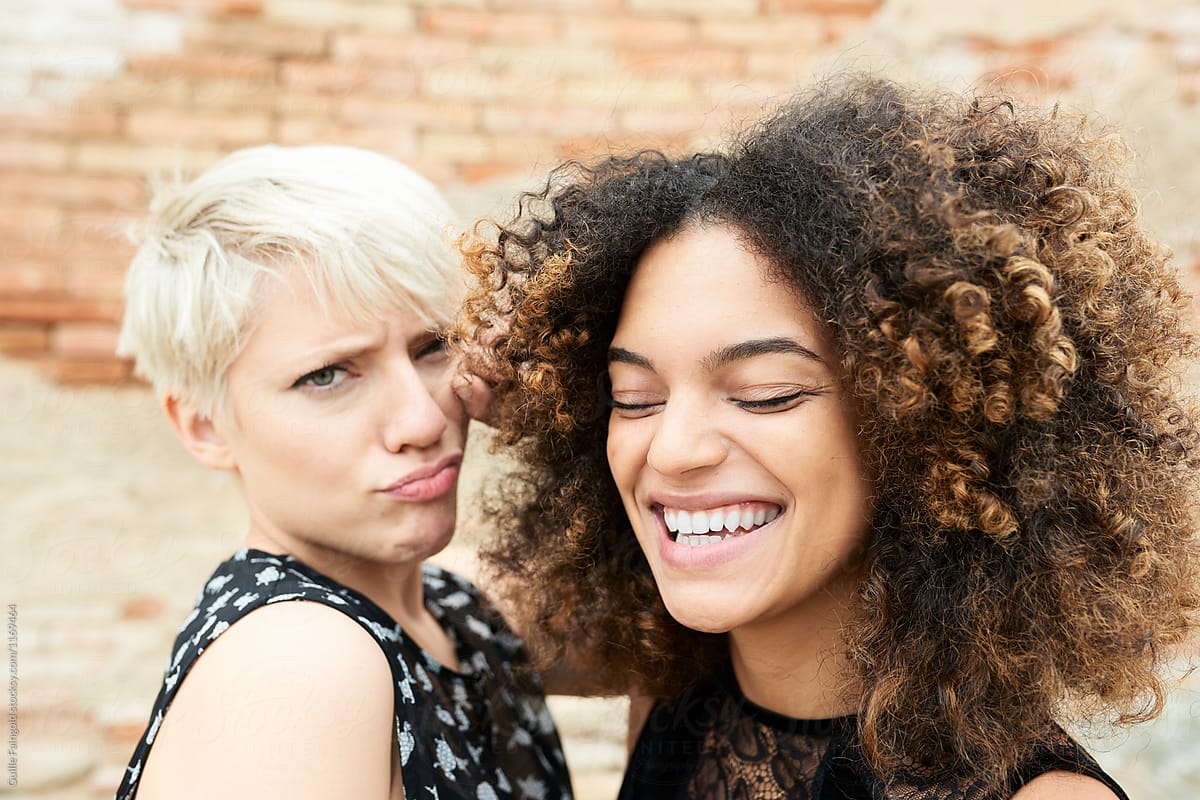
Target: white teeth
point(693, 527)
point(698, 539)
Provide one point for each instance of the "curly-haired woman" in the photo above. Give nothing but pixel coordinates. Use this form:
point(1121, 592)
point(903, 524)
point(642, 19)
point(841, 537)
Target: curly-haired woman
point(860, 446)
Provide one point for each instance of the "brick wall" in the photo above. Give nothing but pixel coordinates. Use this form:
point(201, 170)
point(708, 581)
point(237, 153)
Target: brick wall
point(100, 93)
point(464, 91)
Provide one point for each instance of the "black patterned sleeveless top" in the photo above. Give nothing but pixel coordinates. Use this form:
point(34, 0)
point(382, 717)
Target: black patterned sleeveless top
point(481, 732)
point(713, 743)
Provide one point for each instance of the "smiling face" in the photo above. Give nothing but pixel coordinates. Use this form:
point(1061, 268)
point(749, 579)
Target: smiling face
point(346, 436)
point(730, 440)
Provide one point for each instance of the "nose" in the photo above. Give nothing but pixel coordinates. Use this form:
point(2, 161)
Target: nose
point(411, 415)
point(685, 440)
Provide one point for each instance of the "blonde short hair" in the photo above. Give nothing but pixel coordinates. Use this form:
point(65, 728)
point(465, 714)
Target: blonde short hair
point(371, 235)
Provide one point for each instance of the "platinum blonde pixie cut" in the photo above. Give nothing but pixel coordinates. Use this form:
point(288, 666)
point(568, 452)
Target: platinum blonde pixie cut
point(371, 236)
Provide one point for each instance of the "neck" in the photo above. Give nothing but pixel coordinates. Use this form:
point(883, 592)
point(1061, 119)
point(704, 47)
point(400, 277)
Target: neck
point(395, 587)
point(795, 663)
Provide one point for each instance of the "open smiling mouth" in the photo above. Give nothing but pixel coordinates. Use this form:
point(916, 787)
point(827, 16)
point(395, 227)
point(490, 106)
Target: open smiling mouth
point(711, 525)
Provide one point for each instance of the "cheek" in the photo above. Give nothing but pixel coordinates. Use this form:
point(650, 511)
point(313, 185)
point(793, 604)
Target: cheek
point(620, 456)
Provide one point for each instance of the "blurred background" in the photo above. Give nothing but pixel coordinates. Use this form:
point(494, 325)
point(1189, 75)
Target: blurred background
point(107, 529)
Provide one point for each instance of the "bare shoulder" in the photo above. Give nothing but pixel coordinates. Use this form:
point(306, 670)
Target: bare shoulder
point(1061, 785)
point(275, 700)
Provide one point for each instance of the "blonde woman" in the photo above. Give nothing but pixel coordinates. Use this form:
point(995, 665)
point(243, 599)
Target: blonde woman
point(287, 306)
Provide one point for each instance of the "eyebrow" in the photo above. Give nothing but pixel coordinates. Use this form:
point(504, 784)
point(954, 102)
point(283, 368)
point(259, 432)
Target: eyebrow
point(725, 355)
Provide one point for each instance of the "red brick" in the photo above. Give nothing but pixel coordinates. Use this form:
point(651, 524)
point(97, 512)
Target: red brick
point(396, 82)
point(61, 309)
point(333, 15)
point(651, 121)
point(466, 147)
point(523, 149)
point(793, 32)
point(306, 130)
point(301, 104)
point(822, 6)
point(97, 225)
point(254, 37)
point(710, 8)
point(787, 67)
point(399, 144)
point(17, 279)
point(560, 6)
point(23, 220)
point(628, 91)
point(381, 109)
point(205, 7)
point(199, 65)
point(508, 118)
point(480, 173)
point(142, 607)
point(85, 341)
point(24, 339)
point(73, 190)
point(589, 148)
point(231, 94)
point(61, 123)
point(102, 280)
point(320, 75)
point(422, 50)
point(628, 33)
point(474, 83)
point(540, 60)
point(229, 129)
point(131, 91)
point(489, 25)
point(840, 25)
point(27, 153)
point(86, 372)
point(709, 62)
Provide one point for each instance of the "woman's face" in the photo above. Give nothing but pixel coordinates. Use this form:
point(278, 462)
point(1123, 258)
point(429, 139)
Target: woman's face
point(730, 440)
point(346, 436)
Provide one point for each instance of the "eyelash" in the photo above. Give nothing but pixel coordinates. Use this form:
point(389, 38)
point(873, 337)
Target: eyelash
point(766, 404)
point(773, 402)
point(306, 379)
point(435, 346)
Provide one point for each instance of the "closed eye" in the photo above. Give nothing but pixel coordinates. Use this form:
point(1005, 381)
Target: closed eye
point(779, 403)
point(633, 410)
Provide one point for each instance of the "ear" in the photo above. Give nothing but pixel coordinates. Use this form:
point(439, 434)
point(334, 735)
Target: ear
point(198, 434)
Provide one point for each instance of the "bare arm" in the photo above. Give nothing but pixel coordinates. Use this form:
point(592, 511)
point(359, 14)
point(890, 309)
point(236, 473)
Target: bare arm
point(295, 701)
point(1061, 785)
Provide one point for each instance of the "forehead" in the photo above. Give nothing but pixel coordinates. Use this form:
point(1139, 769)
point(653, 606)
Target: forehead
point(702, 289)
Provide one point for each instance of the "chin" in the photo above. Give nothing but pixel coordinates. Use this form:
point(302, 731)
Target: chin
point(701, 619)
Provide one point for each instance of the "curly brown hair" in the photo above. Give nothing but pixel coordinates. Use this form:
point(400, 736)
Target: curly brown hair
point(1014, 342)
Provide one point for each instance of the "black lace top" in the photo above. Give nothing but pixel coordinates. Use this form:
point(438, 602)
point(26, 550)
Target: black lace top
point(474, 733)
point(714, 744)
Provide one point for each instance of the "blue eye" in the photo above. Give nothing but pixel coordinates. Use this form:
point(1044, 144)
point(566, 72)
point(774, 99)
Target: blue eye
point(323, 378)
